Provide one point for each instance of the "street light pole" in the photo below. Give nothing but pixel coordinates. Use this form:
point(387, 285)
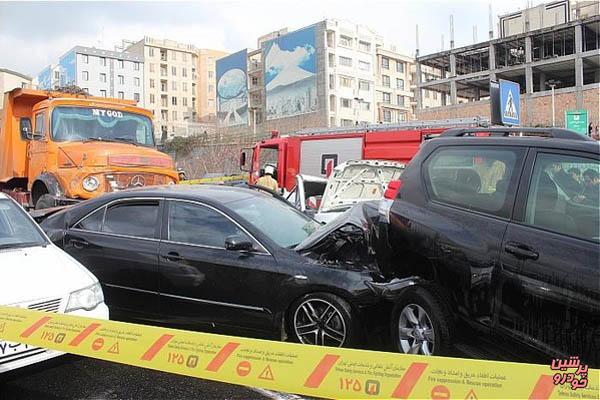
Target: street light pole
point(553, 108)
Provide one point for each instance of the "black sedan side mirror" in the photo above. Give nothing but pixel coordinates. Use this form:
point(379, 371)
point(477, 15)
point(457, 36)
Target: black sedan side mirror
point(238, 243)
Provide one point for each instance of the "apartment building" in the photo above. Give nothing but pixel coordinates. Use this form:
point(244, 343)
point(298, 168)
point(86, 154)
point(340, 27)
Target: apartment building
point(102, 73)
point(170, 84)
point(206, 108)
point(394, 85)
point(10, 80)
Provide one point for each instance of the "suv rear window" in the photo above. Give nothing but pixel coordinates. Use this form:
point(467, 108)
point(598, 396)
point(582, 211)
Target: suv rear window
point(475, 178)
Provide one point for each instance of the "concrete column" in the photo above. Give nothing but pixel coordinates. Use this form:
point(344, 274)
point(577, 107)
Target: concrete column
point(528, 53)
point(477, 94)
point(492, 57)
point(418, 96)
point(452, 65)
point(453, 92)
point(528, 79)
point(578, 66)
point(542, 81)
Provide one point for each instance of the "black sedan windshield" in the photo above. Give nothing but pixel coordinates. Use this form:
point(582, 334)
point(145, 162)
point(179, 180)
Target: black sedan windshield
point(275, 219)
point(16, 229)
point(81, 123)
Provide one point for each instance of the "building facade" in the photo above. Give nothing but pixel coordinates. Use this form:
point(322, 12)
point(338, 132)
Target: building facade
point(562, 57)
point(10, 80)
point(206, 104)
point(101, 73)
point(394, 86)
point(169, 84)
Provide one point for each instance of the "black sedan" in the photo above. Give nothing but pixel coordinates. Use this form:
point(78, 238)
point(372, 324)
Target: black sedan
point(226, 259)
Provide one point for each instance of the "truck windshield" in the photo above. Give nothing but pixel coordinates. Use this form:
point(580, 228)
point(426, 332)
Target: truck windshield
point(16, 229)
point(81, 124)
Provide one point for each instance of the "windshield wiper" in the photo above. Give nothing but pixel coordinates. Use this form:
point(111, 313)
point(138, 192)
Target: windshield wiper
point(122, 139)
point(20, 245)
point(112, 140)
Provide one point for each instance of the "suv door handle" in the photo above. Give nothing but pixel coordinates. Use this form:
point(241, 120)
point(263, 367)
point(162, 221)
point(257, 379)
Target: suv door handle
point(79, 244)
point(172, 256)
point(520, 250)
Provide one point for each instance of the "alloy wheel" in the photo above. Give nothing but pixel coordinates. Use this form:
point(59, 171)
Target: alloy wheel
point(415, 331)
point(319, 322)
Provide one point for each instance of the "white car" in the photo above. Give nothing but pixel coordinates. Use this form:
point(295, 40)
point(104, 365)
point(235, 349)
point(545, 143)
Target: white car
point(36, 274)
point(350, 183)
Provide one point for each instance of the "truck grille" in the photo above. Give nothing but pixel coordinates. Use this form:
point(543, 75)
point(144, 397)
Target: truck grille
point(47, 306)
point(116, 182)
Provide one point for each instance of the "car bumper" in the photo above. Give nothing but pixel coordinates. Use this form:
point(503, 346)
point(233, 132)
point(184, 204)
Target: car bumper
point(32, 355)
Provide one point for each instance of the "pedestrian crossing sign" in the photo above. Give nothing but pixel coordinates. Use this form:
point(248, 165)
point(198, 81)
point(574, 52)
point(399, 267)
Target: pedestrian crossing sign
point(510, 103)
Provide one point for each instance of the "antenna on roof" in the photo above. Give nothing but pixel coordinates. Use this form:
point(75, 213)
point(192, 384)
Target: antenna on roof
point(474, 33)
point(442, 42)
point(417, 39)
point(451, 31)
point(491, 22)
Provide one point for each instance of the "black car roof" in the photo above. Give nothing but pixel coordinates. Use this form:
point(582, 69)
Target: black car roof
point(590, 146)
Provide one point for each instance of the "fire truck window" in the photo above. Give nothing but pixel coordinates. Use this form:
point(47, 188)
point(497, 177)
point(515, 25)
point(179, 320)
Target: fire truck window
point(268, 155)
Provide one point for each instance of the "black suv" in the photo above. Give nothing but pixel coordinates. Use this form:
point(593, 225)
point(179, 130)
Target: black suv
point(503, 226)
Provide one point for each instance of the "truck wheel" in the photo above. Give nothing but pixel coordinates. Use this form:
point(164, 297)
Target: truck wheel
point(422, 323)
point(45, 201)
point(322, 319)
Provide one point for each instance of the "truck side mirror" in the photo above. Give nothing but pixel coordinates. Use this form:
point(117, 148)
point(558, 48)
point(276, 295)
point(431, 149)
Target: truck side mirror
point(242, 160)
point(25, 128)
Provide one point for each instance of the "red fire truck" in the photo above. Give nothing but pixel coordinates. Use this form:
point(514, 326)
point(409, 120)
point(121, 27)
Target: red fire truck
point(317, 151)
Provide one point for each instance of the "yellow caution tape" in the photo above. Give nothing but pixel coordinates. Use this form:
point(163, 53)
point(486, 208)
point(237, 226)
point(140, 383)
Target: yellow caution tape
point(214, 180)
point(310, 370)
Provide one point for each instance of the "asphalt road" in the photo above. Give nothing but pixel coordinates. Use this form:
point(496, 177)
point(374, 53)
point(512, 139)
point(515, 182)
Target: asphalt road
point(73, 377)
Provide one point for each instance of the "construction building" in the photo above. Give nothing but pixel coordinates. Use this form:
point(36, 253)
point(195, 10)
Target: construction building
point(562, 59)
point(10, 80)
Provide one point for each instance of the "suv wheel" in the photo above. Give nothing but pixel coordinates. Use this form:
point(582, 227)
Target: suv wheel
point(422, 323)
point(322, 319)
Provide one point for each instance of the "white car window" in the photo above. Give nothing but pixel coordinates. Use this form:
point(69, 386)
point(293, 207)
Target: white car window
point(16, 229)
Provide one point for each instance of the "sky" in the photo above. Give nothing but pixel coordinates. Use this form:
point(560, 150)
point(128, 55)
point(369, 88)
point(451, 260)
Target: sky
point(35, 34)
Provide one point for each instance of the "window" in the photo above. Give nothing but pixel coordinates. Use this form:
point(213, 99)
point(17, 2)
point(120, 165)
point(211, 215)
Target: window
point(174, 115)
point(401, 117)
point(102, 77)
point(121, 95)
point(151, 67)
point(92, 222)
point(426, 94)
point(184, 72)
point(400, 100)
point(399, 83)
point(173, 85)
point(163, 70)
point(152, 99)
point(346, 122)
point(475, 178)
point(211, 74)
point(121, 79)
point(564, 196)
point(174, 100)
point(199, 225)
point(174, 71)
point(121, 64)
point(364, 66)
point(174, 55)
point(211, 88)
point(364, 46)
point(387, 116)
point(152, 83)
point(85, 75)
point(331, 60)
point(164, 101)
point(136, 81)
point(40, 124)
point(103, 93)
point(85, 58)
point(400, 67)
point(345, 61)
point(386, 97)
point(184, 101)
point(211, 103)
point(184, 57)
point(136, 96)
point(132, 219)
point(365, 106)
point(56, 75)
point(136, 66)
point(163, 86)
point(184, 86)
point(345, 41)
point(364, 85)
point(385, 81)
point(151, 51)
point(435, 95)
point(346, 103)
point(103, 61)
point(346, 81)
point(385, 63)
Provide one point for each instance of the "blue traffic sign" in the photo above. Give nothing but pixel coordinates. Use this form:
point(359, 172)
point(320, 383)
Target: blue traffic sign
point(510, 102)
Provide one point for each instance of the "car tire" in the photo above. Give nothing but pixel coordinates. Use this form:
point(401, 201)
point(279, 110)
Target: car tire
point(422, 322)
point(322, 319)
point(45, 201)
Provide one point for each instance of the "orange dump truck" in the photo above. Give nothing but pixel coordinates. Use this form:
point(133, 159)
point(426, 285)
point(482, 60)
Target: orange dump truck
point(58, 148)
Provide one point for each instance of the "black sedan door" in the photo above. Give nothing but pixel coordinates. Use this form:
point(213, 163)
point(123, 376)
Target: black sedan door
point(119, 244)
point(553, 245)
point(203, 283)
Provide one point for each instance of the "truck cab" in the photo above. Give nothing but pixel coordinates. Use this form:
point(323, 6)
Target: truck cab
point(59, 148)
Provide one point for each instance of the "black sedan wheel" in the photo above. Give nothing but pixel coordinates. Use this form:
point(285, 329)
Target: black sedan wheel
point(422, 323)
point(322, 319)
